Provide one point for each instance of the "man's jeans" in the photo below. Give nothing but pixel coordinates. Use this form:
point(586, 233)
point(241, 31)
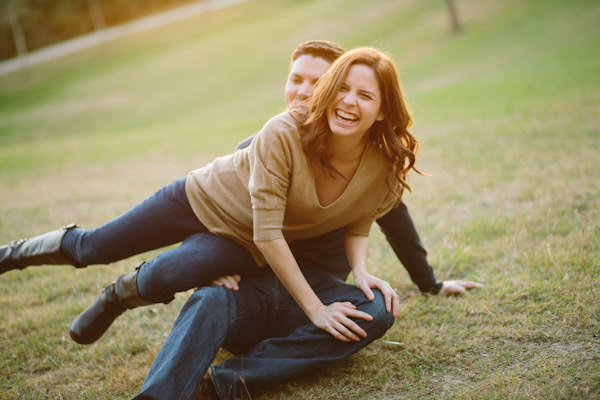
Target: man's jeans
point(262, 322)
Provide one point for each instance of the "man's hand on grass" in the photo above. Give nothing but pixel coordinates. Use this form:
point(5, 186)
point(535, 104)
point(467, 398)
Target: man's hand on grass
point(458, 287)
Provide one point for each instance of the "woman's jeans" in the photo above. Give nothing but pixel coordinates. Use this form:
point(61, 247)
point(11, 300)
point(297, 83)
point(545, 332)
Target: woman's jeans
point(262, 322)
point(162, 219)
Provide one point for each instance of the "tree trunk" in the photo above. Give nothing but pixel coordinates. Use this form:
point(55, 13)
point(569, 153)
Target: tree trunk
point(17, 29)
point(453, 15)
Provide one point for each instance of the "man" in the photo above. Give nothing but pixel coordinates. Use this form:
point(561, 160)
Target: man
point(260, 320)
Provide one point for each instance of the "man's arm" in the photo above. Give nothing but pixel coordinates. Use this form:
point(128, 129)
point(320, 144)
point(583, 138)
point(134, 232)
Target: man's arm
point(400, 232)
point(244, 143)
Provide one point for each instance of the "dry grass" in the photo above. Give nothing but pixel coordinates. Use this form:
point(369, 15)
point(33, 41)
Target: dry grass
point(508, 115)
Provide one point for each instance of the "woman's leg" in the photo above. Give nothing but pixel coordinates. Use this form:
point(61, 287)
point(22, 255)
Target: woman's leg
point(199, 260)
point(160, 220)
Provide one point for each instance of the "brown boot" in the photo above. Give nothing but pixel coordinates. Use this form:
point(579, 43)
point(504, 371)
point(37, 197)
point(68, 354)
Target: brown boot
point(206, 391)
point(38, 250)
point(117, 297)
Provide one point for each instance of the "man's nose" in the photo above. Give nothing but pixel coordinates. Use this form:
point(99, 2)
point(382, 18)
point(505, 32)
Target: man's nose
point(304, 91)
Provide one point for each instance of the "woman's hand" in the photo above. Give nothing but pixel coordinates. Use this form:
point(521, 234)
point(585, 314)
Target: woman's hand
point(458, 288)
point(229, 281)
point(335, 319)
point(365, 282)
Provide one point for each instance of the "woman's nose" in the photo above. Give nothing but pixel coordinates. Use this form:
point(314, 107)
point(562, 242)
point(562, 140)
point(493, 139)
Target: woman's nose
point(349, 98)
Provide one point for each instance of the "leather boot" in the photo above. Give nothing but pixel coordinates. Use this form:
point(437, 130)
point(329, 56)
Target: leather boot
point(38, 250)
point(117, 297)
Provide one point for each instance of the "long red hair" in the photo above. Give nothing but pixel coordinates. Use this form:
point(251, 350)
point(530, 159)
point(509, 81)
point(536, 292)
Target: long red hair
point(391, 135)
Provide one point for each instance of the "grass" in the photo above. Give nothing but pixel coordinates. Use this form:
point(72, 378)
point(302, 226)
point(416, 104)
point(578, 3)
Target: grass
point(507, 112)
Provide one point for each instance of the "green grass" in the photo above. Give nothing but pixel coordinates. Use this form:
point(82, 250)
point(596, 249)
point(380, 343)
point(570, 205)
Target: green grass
point(507, 113)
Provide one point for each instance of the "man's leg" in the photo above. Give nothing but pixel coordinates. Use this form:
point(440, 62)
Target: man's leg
point(212, 316)
point(287, 355)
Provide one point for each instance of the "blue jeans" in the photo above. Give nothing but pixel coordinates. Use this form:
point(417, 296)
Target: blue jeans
point(262, 322)
point(162, 219)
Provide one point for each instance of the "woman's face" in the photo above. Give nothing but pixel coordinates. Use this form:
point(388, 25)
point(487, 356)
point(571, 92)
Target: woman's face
point(357, 105)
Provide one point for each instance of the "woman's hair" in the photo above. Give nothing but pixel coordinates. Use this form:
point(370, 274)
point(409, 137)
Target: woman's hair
point(390, 135)
point(325, 49)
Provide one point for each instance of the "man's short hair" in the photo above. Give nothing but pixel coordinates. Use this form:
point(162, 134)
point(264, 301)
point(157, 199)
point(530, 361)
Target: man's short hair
point(325, 49)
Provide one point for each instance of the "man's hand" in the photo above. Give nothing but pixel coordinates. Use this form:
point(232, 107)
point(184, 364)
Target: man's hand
point(229, 281)
point(458, 288)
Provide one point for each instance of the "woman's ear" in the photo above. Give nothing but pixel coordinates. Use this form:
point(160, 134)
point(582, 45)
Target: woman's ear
point(380, 116)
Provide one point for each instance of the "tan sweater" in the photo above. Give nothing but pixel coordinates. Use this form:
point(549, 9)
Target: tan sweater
point(267, 191)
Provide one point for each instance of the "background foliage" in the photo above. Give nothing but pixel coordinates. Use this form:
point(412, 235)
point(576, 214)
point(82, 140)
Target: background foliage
point(45, 22)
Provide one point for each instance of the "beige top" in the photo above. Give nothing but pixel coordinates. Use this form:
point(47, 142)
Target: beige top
point(271, 183)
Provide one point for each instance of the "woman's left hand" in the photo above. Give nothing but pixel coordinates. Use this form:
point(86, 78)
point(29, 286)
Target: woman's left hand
point(365, 281)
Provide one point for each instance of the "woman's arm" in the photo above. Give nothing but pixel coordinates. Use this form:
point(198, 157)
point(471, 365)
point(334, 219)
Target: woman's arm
point(357, 248)
point(333, 318)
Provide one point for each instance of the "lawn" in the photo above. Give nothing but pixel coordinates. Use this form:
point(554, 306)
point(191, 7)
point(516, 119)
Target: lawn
point(508, 114)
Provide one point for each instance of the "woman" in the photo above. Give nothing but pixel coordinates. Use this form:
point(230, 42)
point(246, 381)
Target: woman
point(341, 164)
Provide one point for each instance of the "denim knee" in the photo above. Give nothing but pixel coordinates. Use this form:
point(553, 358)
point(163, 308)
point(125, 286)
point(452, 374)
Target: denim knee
point(382, 319)
point(154, 286)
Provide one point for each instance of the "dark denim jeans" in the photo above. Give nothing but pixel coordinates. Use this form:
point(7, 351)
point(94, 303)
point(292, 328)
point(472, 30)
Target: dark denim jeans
point(262, 322)
point(160, 220)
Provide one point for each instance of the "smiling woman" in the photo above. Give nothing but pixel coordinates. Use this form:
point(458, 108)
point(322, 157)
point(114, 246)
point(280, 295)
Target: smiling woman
point(337, 165)
point(364, 102)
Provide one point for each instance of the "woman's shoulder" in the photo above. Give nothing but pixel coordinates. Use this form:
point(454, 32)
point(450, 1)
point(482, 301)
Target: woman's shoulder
point(282, 126)
point(283, 120)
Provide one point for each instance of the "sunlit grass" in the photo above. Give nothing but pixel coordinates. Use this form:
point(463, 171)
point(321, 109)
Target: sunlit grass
point(507, 112)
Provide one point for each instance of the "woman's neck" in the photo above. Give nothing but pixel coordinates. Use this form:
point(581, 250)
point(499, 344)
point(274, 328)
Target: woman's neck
point(345, 149)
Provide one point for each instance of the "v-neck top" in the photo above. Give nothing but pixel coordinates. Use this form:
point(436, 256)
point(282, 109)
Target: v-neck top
point(267, 191)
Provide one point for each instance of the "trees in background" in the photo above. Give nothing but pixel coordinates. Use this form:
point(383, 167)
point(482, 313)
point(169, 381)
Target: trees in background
point(26, 25)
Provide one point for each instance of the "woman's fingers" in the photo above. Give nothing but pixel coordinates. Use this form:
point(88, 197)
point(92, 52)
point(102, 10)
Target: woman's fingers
point(364, 286)
point(336, 320)
point(391, 298)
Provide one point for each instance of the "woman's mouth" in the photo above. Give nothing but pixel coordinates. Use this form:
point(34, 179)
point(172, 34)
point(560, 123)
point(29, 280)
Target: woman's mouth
point(345, 116)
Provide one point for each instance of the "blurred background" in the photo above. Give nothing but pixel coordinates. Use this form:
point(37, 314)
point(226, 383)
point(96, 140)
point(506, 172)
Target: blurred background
point(506, 101)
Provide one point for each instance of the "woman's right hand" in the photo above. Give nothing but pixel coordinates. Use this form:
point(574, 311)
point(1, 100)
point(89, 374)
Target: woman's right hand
point(335, 319)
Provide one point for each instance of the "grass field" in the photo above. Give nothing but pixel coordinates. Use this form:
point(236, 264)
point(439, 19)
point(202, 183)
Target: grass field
point(508, 113)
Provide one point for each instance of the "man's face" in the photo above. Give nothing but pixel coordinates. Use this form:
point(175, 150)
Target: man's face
point(305, 72)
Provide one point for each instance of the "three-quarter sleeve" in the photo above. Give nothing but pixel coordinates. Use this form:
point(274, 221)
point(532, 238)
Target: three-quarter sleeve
point(270, 174)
